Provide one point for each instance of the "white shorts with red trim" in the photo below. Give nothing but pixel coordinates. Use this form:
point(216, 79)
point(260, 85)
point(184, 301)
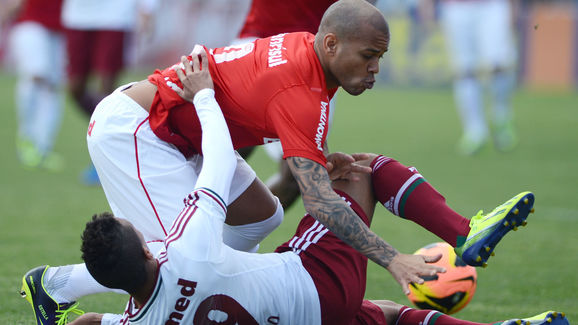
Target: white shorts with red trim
point(478, 34)
point(37, 51)
point(144, 178)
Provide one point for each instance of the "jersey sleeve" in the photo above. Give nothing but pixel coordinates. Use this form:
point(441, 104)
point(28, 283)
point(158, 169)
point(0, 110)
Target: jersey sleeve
point(300, 117)
point(197, 233)
point(111, 319)
point(219, 156)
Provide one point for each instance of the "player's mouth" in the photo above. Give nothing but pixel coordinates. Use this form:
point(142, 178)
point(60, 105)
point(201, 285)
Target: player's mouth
point(368, 84)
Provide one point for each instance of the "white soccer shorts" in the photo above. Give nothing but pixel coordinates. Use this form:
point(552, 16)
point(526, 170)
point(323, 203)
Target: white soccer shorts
point(37, 52)
point(478, 34)
point(144, 178)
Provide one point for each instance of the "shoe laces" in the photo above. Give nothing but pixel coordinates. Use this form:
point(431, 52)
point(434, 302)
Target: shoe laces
point(478, 216)
point(62, 315)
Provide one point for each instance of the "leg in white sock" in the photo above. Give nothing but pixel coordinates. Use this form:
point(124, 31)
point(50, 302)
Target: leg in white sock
point(71, 282)
point(247, 237)
point(502, 85)
point(26, 100)
point(47, 118)
point(501, 88)
point(469, 101)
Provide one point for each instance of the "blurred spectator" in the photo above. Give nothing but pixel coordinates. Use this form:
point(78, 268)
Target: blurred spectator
point(480, 41)
point(37, 49)
point(213, 23)
point(96, 31)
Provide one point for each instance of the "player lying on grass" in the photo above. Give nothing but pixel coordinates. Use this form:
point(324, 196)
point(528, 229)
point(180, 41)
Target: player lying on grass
point(314, 278)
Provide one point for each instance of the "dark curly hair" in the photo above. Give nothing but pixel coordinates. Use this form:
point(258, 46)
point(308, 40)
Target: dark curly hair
point(113, 253)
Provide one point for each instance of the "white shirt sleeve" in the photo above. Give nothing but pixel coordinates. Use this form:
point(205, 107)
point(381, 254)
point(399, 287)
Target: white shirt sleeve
point(219, 159)
point(111, 319)
point(197, 233)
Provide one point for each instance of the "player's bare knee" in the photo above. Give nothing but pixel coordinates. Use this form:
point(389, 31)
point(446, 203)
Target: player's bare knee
point(255, 204)
point(277, 218)
point(389, 308)
point(44, 82)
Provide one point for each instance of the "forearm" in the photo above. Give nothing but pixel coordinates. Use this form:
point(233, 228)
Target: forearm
point(328, 208)
point(338, 217)
point(219, 162)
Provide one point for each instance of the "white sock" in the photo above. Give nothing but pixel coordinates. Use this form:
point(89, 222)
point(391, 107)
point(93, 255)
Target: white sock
point(71, 282)
point(469, 100)
point(47, 118)
point(247, 237)
point(502, 85)
point(26, 100)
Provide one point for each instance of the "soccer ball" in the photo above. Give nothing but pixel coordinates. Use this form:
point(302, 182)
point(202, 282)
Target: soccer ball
point(447, 292)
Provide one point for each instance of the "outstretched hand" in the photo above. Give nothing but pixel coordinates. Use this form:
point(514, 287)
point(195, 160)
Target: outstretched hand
point(194, 75)
point(407, 268)
point(343, 166)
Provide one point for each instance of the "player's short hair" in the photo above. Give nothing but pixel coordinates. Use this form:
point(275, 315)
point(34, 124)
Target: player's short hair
point(349, 18)
point(113, 253)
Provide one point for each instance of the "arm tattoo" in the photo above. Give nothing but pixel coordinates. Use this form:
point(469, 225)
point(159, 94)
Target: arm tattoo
point(327, 207)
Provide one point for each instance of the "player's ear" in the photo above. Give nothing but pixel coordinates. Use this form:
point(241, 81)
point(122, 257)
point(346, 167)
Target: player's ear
point(147, 253)
point(330, 44)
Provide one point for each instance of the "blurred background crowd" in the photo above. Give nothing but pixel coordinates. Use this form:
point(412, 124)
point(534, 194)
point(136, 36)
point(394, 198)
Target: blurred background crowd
point(81, 49)
point(546, 37)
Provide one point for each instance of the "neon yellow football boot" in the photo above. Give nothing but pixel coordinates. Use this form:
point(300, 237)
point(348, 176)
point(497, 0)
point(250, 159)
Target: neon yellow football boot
point(545, 318)
point(487, 230)
point(505, 138)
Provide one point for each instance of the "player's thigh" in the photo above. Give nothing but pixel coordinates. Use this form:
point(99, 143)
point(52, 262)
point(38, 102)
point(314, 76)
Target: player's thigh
point(458, 26)
point(35, 51)
point(251, 201)
point(79, 51)
point(144, 179)
point(494, 34)
point(108, 59)
point(378, 312)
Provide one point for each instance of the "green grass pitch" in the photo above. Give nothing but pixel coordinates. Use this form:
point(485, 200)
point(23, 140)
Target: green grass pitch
point(43, 214)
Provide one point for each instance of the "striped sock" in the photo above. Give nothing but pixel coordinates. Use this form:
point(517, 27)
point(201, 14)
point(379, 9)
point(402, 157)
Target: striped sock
point(404, 192)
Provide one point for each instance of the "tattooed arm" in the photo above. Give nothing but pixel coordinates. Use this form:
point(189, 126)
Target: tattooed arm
point(327, 207)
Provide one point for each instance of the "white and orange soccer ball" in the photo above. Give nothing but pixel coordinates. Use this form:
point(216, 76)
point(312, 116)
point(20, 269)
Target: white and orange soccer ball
point(447, 292)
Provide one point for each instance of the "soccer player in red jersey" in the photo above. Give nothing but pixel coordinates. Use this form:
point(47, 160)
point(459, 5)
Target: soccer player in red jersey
point(272, 89)
point(271, 17)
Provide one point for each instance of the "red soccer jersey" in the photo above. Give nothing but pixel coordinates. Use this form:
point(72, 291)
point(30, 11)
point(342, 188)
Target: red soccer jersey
point(45, 12)
point(272, 88)
point(271, 17)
